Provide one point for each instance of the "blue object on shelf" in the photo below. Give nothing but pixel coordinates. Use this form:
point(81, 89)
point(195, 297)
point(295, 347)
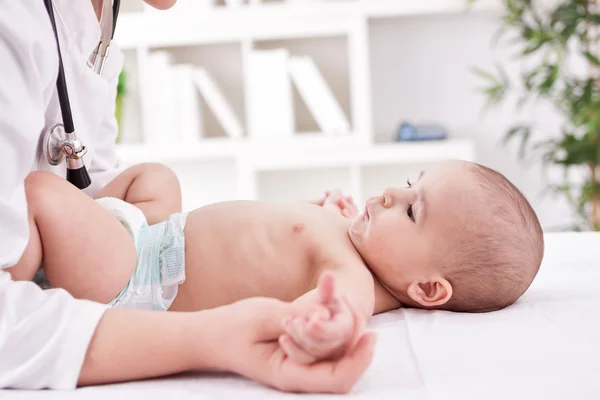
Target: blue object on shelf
point(410, 132)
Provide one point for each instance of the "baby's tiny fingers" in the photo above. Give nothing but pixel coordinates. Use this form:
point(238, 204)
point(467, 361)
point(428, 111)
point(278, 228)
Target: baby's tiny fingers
point(307, 341)
point(294, 352)
point(317, 330)
point(350, 206)
point(339, 329)
point(319, 312)
point(296, 329)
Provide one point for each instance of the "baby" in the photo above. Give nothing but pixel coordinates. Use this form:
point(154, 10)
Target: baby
point(461, 238)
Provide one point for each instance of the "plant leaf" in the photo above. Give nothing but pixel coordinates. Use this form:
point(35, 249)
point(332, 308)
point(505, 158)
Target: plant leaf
point(522, 131)
point(484, 74)
point(591, 57)
point(532, 48)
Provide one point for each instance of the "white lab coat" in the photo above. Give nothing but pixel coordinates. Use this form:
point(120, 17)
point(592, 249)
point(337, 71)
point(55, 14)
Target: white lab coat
point(44, 335)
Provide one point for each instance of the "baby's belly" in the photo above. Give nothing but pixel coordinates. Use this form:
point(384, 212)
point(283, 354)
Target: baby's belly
point(212, 289)
point(214, 279)
point(221, 269)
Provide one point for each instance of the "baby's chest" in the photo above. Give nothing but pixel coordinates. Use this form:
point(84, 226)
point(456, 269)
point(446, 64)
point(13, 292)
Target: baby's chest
point(332, 249)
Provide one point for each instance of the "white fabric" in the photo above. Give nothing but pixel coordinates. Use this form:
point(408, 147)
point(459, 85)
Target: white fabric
point(131, 217)
point(545, 346)
point(44, 335)
point(160, 265)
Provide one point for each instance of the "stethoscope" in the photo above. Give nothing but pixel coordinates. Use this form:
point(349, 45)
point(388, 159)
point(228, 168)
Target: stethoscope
point(60, 141)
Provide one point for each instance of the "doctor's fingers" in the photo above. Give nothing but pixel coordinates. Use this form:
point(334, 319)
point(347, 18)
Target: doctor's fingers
point(328, 376)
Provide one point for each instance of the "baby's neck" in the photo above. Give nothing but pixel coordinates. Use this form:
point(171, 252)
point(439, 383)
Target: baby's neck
point(384, 299)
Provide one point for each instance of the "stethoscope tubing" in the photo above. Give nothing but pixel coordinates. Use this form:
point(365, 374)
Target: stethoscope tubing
point(61, 82)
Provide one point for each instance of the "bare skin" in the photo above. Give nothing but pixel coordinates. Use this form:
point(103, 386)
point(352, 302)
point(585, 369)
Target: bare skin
point(273, 251)
point(151, 187)
point(245, 332)
point(234, 250)
point(241, 249)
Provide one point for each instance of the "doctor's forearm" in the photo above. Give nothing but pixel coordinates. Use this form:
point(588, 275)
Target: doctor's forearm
point(131, 345)
point(153, 188)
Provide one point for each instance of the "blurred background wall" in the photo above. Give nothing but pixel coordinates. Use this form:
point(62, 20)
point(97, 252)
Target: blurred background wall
point(382, 63)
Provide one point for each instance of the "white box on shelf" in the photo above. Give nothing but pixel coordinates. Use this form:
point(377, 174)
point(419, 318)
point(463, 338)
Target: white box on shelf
point(318, 96)
point(188, 112)
point(160, 99)
point(217, 103)
point(270, 105)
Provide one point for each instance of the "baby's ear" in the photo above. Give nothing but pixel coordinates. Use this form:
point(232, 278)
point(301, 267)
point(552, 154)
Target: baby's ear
point(432, 293)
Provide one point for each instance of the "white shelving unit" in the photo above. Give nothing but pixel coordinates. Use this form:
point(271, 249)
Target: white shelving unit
point(337, 36)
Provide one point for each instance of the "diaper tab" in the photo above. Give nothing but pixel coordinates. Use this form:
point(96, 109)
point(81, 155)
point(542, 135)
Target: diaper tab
point(172, 256)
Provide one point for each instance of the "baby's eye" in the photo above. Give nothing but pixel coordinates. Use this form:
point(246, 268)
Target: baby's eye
point(410, 214)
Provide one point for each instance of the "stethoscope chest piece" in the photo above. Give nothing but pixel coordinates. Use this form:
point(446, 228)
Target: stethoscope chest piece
point(58, 145)
point(52, 149)
point(60, 141)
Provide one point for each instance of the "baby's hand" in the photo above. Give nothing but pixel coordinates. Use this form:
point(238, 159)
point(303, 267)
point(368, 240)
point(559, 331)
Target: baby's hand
point(336, 201)
point(327, 331)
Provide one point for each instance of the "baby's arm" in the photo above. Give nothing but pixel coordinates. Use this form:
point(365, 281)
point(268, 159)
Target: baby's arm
point(335, 316)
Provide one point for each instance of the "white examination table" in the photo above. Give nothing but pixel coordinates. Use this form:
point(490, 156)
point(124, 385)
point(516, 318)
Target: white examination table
point(545, 346)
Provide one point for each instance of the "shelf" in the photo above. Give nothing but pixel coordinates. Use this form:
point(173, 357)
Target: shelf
point(222, 26)
point(400, 8)
point(208, 150)
point(271, 21)
point(349, 154)
point(310, 152)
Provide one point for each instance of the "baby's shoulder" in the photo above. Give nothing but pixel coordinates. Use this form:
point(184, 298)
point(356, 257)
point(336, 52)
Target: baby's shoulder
point(335, 249)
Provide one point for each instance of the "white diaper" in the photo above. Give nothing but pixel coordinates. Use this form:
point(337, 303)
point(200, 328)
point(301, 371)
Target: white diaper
point(160, 251)
point(131, 217)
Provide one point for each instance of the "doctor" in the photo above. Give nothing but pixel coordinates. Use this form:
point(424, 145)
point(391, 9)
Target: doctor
point(48, 339)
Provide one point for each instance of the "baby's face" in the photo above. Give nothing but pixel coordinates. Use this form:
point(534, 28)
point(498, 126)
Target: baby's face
point(399, 231)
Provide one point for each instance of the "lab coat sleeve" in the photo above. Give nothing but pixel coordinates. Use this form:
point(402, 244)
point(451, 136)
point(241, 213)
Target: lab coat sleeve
point(44, 335)
point(106, 165)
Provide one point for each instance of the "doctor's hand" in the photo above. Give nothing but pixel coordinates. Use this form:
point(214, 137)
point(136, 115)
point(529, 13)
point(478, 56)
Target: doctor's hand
point(329, 327)
point(251, 349)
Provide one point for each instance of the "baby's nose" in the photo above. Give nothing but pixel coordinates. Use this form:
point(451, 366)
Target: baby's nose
point(398, 196)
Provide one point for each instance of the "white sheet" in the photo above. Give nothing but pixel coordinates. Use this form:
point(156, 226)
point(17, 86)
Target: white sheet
point(545, 346)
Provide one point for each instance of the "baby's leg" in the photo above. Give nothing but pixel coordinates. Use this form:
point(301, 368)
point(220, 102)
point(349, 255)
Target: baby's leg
point(85, 250)
point(151, 187)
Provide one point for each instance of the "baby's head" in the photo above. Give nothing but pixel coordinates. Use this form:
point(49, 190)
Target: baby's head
point(461, 238)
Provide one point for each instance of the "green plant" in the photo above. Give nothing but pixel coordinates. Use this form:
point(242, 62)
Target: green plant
point(546, 36)
point(121, 93)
